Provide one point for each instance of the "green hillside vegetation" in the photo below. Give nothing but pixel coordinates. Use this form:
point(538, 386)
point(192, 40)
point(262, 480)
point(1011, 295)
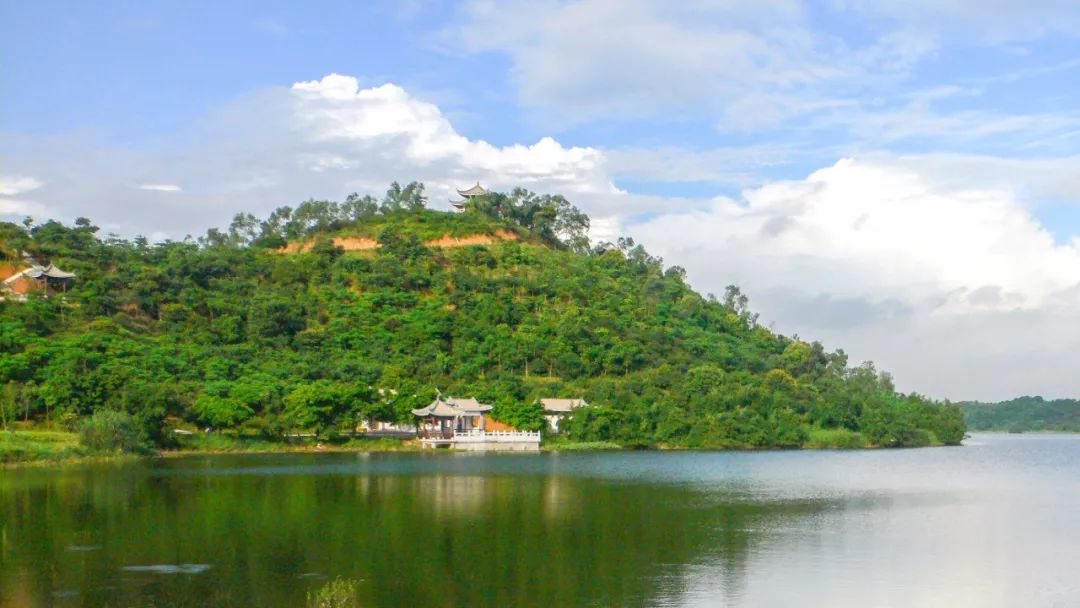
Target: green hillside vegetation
point(1024, 414)
point(229, 333)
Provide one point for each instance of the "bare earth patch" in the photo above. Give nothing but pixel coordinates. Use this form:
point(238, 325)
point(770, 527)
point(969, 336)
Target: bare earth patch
point(360, 243)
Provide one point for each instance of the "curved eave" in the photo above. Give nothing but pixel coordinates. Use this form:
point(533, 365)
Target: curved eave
point(474, 191)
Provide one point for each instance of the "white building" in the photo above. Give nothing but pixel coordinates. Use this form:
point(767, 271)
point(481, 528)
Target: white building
point(557, 409)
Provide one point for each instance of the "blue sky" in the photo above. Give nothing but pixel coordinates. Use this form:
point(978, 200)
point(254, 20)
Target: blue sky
point(864, 170)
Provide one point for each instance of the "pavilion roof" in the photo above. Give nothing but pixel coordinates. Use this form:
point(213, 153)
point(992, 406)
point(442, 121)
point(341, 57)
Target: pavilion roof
point(36, 272)
point(474, 191)
point(451, 408)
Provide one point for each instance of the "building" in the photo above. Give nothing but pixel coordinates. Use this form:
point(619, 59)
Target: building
point(557, 409)
point(467, 195)
point(462, 424)
point(46, 280)
point(389, 429)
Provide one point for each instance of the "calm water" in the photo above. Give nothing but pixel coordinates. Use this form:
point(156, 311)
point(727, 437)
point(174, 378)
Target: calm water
point(993, 523)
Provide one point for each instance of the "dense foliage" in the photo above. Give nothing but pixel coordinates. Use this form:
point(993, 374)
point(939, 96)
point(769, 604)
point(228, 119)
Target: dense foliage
point(231, 332)
point(1024, 414)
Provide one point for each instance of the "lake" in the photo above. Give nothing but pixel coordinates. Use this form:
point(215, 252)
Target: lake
point(993, 523)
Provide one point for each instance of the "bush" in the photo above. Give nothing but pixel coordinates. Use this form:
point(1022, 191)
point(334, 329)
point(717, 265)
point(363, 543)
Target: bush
point(112, 431)
point(338, 593)
point(835, 438)
point(523, 416)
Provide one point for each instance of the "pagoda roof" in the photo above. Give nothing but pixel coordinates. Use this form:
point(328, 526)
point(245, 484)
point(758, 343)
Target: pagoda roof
point(474, 191)
point(452, 408)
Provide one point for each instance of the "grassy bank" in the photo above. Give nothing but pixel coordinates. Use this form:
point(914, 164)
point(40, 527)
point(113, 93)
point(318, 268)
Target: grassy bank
point(226, 443)
point(39, 446)
point(562, 444)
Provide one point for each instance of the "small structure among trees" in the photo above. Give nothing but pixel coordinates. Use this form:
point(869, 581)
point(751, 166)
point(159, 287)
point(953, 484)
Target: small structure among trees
point(557, 409)
point(46, 280)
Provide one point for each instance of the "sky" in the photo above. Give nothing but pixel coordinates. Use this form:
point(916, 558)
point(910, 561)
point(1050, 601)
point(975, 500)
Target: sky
point(898, 179)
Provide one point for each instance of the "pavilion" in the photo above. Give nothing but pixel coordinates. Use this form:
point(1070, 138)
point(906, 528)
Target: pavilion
point(463, 425)
point(467, 195)
point(46, 279)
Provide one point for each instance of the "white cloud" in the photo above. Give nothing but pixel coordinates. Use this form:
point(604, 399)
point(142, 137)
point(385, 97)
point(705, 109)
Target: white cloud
point(160, 187)
point(322, 138)
point(12, 185)
point(386, 120)
point(615, 57)
point(879, 259)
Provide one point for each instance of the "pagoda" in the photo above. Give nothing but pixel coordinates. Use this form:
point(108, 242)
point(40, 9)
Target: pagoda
point(467, 195)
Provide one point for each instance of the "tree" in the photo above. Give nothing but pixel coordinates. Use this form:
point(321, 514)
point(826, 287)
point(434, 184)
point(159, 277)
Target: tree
point(737, 302)
point(522, 415)
point(325, 404)
point(220, 412)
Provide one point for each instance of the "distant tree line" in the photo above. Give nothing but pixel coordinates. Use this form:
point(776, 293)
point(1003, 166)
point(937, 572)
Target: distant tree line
point(1024, 414)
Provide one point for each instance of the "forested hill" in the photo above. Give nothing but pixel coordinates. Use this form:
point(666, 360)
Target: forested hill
point(269, 326)
point(1024, 414)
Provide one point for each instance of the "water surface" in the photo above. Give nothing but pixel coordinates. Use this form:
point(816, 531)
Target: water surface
point(993, 523)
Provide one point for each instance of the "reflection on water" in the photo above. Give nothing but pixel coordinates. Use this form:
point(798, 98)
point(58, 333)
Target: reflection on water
point(972, 526)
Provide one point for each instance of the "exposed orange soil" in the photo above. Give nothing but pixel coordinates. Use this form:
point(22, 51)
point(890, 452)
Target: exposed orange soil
point(6, 270)
point(475, 239)
point(359, 243)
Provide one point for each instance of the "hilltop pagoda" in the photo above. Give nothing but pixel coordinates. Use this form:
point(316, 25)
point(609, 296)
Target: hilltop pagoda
point(467, 195)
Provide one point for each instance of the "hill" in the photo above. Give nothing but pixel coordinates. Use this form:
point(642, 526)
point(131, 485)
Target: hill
point(269, 326)
point(1024, 414)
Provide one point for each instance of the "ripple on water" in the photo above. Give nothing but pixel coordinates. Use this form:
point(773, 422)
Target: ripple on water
point(169, 568)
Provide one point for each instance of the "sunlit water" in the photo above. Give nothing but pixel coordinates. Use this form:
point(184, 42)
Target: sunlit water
point(993, 523)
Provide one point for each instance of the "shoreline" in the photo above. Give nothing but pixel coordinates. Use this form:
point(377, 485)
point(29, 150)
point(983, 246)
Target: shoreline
point(382, 445)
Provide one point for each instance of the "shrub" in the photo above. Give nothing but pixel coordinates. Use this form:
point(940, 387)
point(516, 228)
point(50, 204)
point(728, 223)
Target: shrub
point(338, 593)
point(835, 438)
point(112, 431)
point(523, 416)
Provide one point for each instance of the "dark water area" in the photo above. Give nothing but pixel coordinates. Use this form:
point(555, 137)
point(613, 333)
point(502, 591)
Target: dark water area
point(993, 523)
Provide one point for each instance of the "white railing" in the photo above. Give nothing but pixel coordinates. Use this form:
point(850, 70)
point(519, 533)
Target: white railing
point(480, 436)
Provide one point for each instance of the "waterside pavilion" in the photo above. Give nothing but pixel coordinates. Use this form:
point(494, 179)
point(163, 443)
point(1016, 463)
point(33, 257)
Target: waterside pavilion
point(462, 424)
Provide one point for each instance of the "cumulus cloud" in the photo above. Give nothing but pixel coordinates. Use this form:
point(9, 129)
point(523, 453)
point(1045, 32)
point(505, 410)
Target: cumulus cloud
point(891, 264)
point(323, 138)
point(385, 120)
